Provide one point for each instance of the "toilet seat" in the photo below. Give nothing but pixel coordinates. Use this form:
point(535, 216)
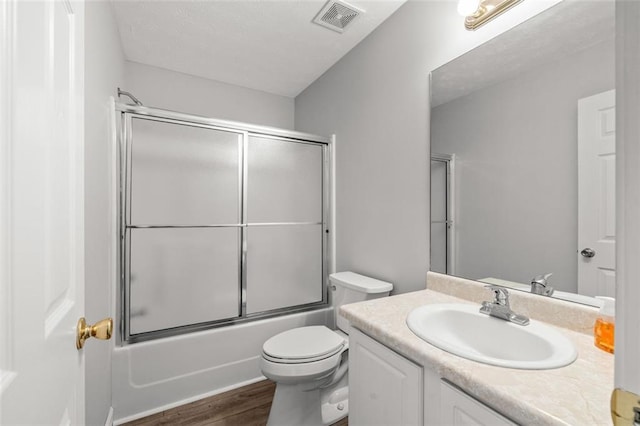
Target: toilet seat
point(303, 345)
point(300, 372)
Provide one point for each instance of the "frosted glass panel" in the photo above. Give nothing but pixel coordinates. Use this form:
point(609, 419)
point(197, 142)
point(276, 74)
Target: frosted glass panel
point(183, 175)
point(183, 276)
point(284, 266)
point(285, 181)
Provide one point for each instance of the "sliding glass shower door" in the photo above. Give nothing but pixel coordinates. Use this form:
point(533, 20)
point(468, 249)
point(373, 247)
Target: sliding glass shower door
point(184, 227)
point(218, 224)
point(284, 218)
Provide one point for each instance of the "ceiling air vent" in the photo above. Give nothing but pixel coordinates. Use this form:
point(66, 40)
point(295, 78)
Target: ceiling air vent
point(336, 15)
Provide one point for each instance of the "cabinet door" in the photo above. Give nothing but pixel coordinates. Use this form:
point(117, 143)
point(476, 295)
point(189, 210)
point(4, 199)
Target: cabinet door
point(384, 387)
point(459, 409)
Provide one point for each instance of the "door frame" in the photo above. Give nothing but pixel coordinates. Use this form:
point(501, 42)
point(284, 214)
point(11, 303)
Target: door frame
point(6, 46)
point(449, 160)
point(627, 369)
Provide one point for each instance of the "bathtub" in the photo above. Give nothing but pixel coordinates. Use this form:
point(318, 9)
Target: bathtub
point(153, 376)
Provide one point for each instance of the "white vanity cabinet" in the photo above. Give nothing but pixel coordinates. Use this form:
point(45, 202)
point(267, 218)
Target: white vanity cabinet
point(459, 409)
point(386, 388)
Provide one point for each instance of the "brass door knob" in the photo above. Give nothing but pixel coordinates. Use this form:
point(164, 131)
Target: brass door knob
point(101, 330)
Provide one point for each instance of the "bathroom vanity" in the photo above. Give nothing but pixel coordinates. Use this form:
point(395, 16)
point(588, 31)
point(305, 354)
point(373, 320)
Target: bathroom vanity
point(407, 391)
point(398, 378)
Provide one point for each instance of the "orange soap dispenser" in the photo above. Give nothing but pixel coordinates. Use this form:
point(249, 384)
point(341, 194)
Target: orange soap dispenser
point(604, 328)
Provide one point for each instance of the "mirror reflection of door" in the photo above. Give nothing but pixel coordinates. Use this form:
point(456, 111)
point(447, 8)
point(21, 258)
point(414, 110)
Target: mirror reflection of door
point(442, 221)
point(596, 194)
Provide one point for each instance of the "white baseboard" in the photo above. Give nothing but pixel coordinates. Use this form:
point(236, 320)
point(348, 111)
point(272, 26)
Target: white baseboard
point(184, 401)
point(109, 421)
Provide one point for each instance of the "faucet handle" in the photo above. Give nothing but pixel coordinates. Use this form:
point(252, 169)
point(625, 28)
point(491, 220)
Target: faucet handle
point(541, 279)
point(501, 294)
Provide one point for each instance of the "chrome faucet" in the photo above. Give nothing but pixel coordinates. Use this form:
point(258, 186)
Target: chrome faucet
point(500, 308)
point(539, 285)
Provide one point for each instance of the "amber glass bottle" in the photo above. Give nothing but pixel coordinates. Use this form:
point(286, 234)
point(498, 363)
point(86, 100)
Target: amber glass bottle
point(604, 328)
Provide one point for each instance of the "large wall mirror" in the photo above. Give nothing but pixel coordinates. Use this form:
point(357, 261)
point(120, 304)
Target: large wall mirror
point(523, 156)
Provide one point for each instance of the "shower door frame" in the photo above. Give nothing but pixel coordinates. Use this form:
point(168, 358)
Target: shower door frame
point(126, 113)
point(450, 250)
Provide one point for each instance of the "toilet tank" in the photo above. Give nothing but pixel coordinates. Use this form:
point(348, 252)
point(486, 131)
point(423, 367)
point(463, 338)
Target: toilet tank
point(350, 287)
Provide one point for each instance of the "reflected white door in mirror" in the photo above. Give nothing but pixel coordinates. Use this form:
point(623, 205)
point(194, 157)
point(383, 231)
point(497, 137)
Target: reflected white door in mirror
point(596, 195)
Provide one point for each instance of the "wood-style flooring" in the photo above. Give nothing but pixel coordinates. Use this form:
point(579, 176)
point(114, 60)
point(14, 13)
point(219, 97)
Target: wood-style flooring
point(245, 406)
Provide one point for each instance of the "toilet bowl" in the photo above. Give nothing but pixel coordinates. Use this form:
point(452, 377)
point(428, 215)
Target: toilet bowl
point(309, 364)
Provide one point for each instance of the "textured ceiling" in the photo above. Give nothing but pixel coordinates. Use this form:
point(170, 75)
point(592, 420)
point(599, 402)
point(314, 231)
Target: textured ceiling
point(266, 45)
point(564, 29)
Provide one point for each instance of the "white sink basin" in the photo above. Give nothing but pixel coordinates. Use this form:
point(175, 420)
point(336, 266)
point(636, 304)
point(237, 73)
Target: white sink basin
point(462, 330)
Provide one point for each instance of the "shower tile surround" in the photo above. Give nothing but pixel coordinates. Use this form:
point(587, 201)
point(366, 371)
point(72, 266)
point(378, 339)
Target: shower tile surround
point(576, 394)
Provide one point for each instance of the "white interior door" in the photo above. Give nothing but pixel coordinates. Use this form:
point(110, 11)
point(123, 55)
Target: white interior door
point(596, 192)
point(41, 199)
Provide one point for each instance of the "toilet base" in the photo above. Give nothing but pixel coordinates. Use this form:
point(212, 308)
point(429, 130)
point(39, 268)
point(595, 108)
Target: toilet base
point(293, 405)
point(308, 405)
point(336, 406)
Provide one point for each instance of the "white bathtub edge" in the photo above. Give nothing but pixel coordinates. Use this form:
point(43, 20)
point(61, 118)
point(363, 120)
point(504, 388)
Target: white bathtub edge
point(185, 401)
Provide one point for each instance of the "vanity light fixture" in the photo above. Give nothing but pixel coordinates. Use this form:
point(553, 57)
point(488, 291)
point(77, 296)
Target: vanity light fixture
point(485, 10)
point(468, 7)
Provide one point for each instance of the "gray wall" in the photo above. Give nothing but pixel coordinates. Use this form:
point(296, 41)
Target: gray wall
point(516, 169)
point(175, 91)
point(376, 101)
point(104, 67)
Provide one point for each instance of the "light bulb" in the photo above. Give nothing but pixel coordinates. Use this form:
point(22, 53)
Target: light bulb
point(468, 7)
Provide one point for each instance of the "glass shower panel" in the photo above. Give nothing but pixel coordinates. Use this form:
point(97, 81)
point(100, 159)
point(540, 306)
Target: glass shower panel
point(183, 276)
point(439, 248)
point(439, 216)
point(183, 175)
point(284, 181)
point(284, 266)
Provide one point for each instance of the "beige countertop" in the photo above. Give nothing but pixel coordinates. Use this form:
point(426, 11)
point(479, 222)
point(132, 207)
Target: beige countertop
point(577, 394)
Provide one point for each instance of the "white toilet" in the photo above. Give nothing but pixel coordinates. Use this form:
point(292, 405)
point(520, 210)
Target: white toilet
point(309, 364)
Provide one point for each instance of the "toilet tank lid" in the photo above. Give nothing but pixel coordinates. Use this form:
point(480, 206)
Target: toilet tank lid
point(360, 282)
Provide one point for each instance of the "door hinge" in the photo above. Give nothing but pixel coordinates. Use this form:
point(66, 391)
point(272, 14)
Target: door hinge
point(625, 408)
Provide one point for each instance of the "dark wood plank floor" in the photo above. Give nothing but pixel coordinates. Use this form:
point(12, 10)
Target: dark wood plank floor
point(245, 406)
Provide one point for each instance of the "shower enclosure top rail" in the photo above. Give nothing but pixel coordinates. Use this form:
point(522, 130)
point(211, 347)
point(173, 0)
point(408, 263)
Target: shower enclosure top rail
point(223, 225)
point(229, 124)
